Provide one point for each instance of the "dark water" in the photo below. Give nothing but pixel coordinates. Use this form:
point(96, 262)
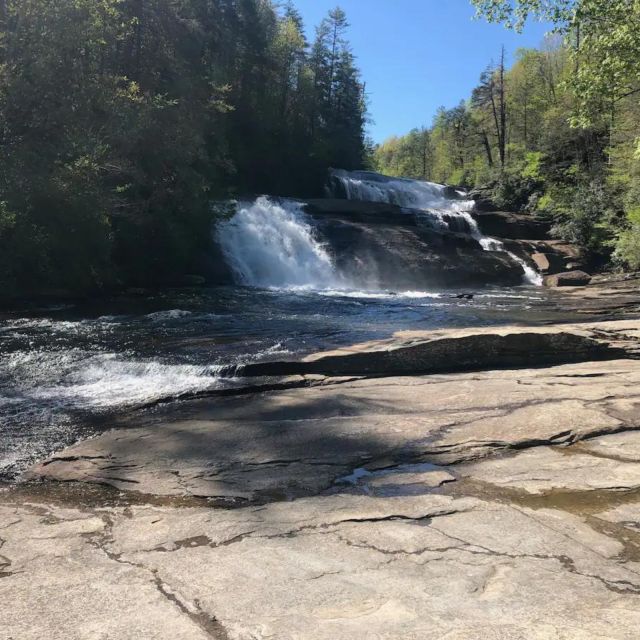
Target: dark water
point(65, 369)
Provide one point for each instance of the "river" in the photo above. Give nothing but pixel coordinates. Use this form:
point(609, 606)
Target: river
point(67, 370)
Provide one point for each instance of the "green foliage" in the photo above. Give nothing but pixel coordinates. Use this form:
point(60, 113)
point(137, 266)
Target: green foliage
point(587, 220)
point(605, 46)
point(567, 151)
point(410, 156)
point(121, 120)
point(514, 191)
point(627, 248)
point(515, 14)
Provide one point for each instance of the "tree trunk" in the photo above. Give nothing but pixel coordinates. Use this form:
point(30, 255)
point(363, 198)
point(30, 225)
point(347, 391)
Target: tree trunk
point(502, 139)
point(487, 147)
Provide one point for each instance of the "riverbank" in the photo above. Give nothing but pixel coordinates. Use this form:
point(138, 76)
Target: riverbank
point(500, 500)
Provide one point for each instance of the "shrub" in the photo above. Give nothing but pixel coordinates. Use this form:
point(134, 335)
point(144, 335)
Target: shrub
point(627, 251)
point(587, 218)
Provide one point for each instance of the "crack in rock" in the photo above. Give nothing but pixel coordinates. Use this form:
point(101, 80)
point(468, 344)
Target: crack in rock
point(206, 622)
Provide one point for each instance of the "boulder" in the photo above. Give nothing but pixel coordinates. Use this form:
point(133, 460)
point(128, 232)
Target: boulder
point(568, 279)
point(542, 262)
point(482, 198)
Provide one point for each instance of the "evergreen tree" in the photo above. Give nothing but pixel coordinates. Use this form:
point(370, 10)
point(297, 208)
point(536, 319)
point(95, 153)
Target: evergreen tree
point(120, 126)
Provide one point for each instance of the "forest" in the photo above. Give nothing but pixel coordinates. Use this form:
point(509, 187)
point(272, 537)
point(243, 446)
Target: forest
point(555, 134)
point(121, 121)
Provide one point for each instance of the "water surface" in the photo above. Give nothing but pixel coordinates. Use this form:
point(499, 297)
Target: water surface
point(66, 370)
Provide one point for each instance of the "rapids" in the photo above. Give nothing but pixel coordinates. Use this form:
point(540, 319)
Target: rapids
point(68, 371)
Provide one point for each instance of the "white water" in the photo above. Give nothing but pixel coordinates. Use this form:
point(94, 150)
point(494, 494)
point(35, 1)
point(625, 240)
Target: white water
point(271, 244)
point(374, 187)
point(531, 276)
point(83, 379)
point(430, 198)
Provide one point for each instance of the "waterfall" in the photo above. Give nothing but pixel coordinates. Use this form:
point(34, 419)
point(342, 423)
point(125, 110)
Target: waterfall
point(441, 210)
point(271, 244)
point(434, 200)
point(531, 276)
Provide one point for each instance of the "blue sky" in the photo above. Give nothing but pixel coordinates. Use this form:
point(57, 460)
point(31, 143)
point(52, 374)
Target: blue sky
point(416, 55)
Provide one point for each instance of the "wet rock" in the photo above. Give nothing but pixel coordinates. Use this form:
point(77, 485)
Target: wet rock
point(502, 224)
point(568, 279)
point(394, 248)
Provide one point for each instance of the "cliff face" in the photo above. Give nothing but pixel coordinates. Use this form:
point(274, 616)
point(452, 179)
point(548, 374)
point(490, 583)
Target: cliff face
point(380, 245)
point(394, 247)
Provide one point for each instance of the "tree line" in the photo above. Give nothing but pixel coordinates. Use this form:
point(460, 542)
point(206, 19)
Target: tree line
point(555, 134)
point(121, 121)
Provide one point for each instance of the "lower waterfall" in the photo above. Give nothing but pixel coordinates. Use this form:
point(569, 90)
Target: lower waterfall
point(271, 244)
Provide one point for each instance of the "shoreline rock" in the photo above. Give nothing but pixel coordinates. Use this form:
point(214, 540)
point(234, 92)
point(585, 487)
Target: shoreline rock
point(568, 279)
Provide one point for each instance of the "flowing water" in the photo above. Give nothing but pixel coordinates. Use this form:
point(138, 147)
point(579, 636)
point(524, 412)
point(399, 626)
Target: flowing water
point(444, 207)
point(66, 371)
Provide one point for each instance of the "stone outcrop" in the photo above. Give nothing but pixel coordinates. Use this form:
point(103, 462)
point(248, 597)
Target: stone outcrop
point(296, 442)
point(421, 352)
point(568, 279)
point(498, 504)
point(483, 199)
point(514, 226)
point(328, 568)
point(393, 248)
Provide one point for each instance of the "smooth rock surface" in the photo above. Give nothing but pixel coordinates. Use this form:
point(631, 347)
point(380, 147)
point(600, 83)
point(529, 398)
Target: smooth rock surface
point(504, 224)
point(326, 568)
point(420, 352)
point(544, 469)
point(568, 279)
point(497, 504)
point(296, 442)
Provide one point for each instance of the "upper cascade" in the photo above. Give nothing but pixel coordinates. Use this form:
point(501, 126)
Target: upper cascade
point(413, 194)
point(444, 207)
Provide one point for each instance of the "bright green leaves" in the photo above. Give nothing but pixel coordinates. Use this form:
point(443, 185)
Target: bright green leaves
point(514, 14)
point(603, 37)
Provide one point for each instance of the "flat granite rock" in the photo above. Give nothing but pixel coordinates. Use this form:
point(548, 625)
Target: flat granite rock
point(323, 568)
point(544, 469)
point(297, 442)
point(476, 349)
point(499, 504)
point(621, 447)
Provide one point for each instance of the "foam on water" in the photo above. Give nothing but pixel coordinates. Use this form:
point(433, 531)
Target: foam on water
point(272, 244)
point(433, 200)
point(171, 314)
point(81, 379)
point(377, 295)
